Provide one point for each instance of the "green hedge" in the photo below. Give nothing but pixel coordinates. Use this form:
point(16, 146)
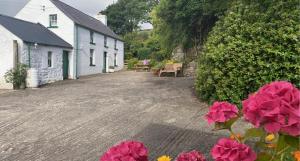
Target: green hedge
point(254, 43)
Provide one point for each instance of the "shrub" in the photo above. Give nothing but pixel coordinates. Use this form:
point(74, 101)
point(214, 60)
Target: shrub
point(16, 76)
point(132, 63)
point(256, 42)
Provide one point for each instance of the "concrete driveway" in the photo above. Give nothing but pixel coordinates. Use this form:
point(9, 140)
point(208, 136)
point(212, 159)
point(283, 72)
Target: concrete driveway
point(77, 120)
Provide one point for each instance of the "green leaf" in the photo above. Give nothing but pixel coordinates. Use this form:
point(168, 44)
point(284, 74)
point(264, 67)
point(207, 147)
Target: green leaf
point(226, 125)
point(254, 132)
point(292, 141)
point(263, 157)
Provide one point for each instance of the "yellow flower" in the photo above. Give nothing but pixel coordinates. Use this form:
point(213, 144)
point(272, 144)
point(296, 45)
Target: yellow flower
point(297, 155)
point(164, 158)
point(270, 138)
point(236, 136)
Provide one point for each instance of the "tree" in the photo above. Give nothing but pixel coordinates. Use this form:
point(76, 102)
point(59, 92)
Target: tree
point(126, 15)
point(186, 22)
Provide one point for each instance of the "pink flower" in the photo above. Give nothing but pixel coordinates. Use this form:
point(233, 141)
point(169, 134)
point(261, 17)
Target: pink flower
point(126, 151)
point(191, 156)
point(221, 112)
point(276, 107)
point(231, 150)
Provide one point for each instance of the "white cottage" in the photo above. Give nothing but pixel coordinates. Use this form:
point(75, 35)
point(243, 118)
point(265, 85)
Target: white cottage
point(31, 44)
point(95, 46)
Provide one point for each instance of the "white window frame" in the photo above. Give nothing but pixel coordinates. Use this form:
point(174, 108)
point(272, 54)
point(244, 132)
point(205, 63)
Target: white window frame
point(52, 21)
point(92, 57)
point(49, 59)
point(105, 41)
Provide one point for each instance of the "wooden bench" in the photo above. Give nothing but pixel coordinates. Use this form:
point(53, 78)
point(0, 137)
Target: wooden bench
point(171, 68)
point(142, 67)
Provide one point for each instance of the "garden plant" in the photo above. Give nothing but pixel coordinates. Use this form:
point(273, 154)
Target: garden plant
point(274, 112)
point(17, 76)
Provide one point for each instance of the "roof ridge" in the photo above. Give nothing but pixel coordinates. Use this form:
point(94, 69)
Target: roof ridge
point(78, 10)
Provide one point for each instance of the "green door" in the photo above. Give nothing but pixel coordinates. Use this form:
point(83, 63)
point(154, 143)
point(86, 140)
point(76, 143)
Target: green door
point(104, 62)
point(66, 64)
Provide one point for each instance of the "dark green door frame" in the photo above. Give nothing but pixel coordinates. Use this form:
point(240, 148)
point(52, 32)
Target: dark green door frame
point(65, 64)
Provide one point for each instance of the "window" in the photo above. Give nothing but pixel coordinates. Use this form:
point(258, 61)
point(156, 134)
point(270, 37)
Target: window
point(53, 20)
point(115, 60)
point(92, 57)
point(105, 41)
point(92, 37)
point(116, 41)
point(49, 59)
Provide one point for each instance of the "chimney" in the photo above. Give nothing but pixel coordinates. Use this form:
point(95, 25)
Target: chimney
point(101, 18)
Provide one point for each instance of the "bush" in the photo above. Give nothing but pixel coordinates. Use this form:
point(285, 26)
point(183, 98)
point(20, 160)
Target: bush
point(132, 63)
point(16, 76)
point(143, 53)
point(256, 42)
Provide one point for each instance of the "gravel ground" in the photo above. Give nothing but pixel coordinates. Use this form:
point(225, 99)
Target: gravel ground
point(77, 120)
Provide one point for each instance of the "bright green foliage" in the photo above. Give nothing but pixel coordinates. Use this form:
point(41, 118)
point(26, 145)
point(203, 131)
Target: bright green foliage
point(126, 15)
point(254, 43)
point(16, 76)
point(132, 63)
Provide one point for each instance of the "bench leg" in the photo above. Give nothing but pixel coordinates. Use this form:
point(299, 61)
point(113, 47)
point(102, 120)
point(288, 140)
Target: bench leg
point(175, 74)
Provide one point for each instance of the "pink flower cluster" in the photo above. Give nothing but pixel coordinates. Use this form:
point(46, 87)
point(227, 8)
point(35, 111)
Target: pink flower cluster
point(231, 150)
point(126, 151)
point(221, 112)
point(191, 156)
point(276, 107)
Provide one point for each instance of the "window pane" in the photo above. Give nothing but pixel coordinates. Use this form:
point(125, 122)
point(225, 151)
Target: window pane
point(105, 41)
point(53, 20)
point(91, 36)
point(49, 59)
point(92, 55)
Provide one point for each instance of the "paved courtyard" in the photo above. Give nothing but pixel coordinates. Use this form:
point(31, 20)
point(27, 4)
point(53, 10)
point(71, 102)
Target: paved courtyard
point(77, 120)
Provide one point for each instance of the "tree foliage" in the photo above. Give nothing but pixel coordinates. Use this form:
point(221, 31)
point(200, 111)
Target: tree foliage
point(126, 15)
point(256, 42)
point(185, 22)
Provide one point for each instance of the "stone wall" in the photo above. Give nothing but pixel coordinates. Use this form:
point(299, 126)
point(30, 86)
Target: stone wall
point(39, 61)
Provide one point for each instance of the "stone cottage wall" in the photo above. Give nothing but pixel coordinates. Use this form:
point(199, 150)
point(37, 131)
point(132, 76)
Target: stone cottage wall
point(39, 61)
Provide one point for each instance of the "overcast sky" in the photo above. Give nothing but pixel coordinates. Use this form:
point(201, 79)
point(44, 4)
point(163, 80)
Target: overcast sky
point(91, 7)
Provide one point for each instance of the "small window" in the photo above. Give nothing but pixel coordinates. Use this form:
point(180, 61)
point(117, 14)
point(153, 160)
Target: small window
point(92, 37)
point(49, 59)
point(115, 60)
point(116, 42)
point(105, 41)
point(92, 57)
point(53, 20)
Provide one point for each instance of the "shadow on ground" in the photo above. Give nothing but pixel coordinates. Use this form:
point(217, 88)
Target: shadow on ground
point(171, 140)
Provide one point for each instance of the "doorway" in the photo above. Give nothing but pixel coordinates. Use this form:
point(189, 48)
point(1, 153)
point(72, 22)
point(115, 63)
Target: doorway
point(104, 62)
point(65, 64)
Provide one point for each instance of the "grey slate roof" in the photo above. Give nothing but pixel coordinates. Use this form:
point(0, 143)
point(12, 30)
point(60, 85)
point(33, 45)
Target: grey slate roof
point(84, 20)
point(32, 32)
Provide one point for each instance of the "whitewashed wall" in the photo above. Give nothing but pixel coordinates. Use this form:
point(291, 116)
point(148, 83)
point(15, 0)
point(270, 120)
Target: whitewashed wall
point(39, 61)
point(84, 67)
point(33, 12)
point(6, 54)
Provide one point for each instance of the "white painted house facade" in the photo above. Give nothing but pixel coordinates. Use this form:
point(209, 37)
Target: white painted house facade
point(95, 46)
point(31, 44)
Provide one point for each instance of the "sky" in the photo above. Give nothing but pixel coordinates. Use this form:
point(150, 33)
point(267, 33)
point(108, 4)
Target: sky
point(91, 7)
